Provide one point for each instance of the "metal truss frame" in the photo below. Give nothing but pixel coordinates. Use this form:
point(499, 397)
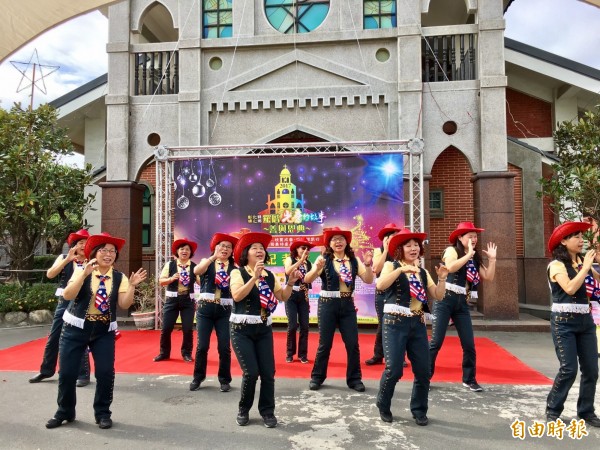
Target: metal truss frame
point(165, 156)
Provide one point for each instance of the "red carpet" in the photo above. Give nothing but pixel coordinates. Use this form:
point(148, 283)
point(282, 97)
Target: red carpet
point(136, 349)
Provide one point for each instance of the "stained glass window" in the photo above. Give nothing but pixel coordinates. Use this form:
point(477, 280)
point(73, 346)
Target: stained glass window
point(296, 16)
point(217, 18)
point(379, 14)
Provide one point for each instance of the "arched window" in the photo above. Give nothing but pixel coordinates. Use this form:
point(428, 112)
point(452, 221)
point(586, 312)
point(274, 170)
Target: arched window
point(379, 14)
point(294, 16)
point(217, 19)
point(147, 218)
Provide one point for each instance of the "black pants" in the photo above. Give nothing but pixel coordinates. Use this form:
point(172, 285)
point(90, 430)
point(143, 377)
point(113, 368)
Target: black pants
point(173, 307)
point(48, 366)
point(405, 335)
point(209, 316)
point(297, 310)
point(575, 342)
point(73, 343)
point(337, 313)
point(378, 347)
point(454, 306)
point(253, 347)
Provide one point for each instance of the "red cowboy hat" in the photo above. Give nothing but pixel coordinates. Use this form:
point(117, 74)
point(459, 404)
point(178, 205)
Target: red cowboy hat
point(237, 234)
point(401, 237)
point(222, 237)
point(299, 243)
point(183, 241)
point(79, 235)
point(463, 228)
point(248, 238)
point(100, 239)
point(564, 230)
point(388, 228)
point(328, 233)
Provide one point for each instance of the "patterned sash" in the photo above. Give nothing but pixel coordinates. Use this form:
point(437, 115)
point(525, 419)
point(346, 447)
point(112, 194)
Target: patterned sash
point(472, 274)
point(345, 274)
point(267, 298)
point(184, 276)
point(592, 286)
point(416, 289)
point(222, 277)
point(101, 302)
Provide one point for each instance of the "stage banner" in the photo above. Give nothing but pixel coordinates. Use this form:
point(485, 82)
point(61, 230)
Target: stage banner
point(291, 197)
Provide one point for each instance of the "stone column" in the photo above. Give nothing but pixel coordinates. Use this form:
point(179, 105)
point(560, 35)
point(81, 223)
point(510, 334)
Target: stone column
point(494, 211)
point(122, 217)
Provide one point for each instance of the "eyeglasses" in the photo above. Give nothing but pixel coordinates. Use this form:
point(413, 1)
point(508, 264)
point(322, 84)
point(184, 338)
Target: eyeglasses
point(226, 247)
point(106, 251)
point(338, 239)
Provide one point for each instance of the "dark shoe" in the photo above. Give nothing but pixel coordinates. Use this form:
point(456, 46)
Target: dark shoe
point(473, 386)
point(386, 416)
point(39, 377)
point(593, 421)
point(105, 423)
point(160, 357)
point(358, 387)
point(55, 423)
point(270, 420)
point(421, 421)
point(195, 384)
point(374, 360)
point(304, 360)
point(289, 359)
point(82, 382)
point(187, 358)
point(552, 417)
point(225, 387)
point(242, 418)
point(314, 385)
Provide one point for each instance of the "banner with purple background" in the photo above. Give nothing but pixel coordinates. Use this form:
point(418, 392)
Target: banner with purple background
point(291, 197)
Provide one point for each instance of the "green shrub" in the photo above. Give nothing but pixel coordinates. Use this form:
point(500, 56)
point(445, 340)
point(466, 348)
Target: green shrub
point(44, 261)
point(27, 298)
point(40, 296)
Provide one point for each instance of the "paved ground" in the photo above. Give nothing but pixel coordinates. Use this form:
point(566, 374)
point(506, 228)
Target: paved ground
point(157, 412)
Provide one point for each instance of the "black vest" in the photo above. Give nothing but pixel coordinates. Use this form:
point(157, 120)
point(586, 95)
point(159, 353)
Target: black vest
point(298, 282)
point(459, 277)
point(560, 296)
point(399, 292)
point(81, 304)
point(66, 273)
point(250, 305)
point(174, 285)
point(207, 280)
point(330, 278)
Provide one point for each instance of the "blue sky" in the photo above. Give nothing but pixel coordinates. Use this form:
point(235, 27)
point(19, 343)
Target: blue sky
point(565, 27)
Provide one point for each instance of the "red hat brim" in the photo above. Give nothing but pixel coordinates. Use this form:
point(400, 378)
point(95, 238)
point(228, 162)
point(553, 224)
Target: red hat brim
point(564, 230)
point(101, 239)
point(463, 228)
point(248, 239)
point(77, 236)
point(331, 232)
point(401, 237)
point(300, 243)
point(222, 237)
point(179, 242)
point(387, 229)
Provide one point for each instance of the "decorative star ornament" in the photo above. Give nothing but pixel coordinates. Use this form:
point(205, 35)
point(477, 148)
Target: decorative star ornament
point(33, 72)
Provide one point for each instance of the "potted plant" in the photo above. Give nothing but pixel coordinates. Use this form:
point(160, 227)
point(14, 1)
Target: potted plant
point(144, 305)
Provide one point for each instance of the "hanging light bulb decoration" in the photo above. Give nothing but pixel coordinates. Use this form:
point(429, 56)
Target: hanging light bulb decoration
point(199, 190)
point(182, 202)
point(193, 177)
point(185, 170)
point(215, 198)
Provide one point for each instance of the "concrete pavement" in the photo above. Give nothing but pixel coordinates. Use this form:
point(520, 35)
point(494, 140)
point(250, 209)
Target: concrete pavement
point(157, 412)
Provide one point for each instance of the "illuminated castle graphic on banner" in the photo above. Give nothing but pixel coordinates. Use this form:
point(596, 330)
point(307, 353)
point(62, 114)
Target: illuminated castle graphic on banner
point(285, 212)
point(285, 195)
